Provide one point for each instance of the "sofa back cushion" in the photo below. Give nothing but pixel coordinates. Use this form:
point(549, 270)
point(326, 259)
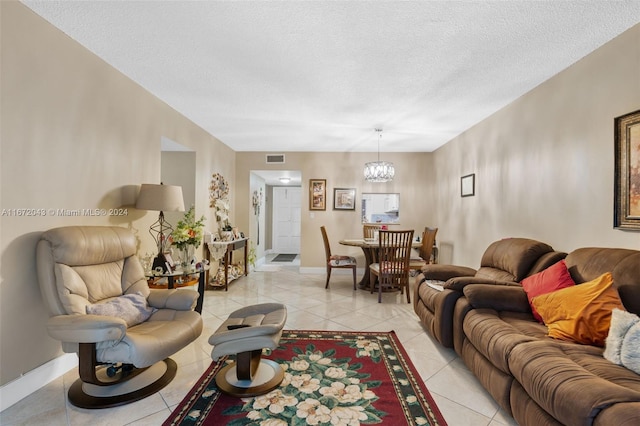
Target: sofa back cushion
point(586, 264)
point(511, 259)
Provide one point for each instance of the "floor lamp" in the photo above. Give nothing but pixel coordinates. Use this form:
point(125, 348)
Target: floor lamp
point(162, 198)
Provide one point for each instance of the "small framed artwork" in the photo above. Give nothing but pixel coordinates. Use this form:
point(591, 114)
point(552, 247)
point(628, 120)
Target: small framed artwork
point(344, 198)
point(627, 172)
point(317, 194)
point(468, 185)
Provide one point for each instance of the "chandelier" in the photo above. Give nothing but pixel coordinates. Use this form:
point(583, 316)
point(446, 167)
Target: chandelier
point(379, 171)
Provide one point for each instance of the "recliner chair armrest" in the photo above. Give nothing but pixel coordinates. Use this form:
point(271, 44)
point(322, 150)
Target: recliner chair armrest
point(446, 272)
point(86, 328)
point(497, 297)
point(459, 283)
point(180, 300)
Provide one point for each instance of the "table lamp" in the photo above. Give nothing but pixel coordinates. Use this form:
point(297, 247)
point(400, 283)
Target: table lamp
point(160, 198)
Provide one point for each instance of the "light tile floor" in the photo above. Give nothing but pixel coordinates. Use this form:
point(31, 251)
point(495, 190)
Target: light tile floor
point(460, 397)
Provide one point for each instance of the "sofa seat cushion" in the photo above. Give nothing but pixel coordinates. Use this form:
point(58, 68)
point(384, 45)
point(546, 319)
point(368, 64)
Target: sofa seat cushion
point(165, 333)
point(572, 382)
point(495, 334)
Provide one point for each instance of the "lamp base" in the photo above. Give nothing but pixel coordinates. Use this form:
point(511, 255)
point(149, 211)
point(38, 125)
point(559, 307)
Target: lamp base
point(160, 261)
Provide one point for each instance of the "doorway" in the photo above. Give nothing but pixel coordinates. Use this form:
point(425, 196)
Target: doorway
point(268, 183)
point(286, 219)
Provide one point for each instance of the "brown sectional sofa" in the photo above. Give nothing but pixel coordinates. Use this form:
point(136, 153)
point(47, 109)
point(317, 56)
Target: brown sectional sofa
point(540, 380)
point(506, 262)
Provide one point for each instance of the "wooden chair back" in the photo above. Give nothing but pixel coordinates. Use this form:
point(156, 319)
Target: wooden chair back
point(428, 241)
point(394, 254)
point(327, 247)
point(369, 231)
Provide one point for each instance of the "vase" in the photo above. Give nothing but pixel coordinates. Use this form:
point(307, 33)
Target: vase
point(187, 257)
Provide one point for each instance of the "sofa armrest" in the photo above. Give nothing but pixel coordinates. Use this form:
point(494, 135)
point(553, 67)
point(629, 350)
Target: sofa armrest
point(86, 328)
point(497, 297)
point(459, 283)
point(179, 300)
point(446, 272)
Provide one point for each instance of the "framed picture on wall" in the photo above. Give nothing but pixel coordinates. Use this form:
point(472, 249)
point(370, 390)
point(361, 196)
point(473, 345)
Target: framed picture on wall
point(317, 194)
point(344, 198)
point(627, 172)
point(468, 185)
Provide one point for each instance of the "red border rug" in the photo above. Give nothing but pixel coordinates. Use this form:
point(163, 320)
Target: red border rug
point(331, 378)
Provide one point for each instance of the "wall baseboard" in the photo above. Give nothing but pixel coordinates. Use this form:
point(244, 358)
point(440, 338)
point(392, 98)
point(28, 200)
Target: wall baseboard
point(322, 270)
point(35, 379)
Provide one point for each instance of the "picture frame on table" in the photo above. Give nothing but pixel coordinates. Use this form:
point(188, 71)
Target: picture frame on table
point(344, 198)
point(317, 194)
point(468, 185)
point(627, 172)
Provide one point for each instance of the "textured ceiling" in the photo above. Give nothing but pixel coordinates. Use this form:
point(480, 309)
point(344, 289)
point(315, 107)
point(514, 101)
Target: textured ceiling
point(321, 75)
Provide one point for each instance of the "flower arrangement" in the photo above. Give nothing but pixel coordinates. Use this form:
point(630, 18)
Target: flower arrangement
point(188, 230)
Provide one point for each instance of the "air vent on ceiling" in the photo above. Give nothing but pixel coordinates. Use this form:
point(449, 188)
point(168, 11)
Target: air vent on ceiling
point(275, 158)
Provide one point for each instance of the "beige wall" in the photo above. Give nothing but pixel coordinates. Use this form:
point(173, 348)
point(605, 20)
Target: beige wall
point(414, 181)
point(75, 134)
point(544, 165)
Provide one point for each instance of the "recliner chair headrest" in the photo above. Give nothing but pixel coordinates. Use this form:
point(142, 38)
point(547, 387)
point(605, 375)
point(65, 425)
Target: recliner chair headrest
point(70, 244)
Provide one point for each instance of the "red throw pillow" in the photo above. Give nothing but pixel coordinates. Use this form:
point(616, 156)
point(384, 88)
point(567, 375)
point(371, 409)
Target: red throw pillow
point(555, 277)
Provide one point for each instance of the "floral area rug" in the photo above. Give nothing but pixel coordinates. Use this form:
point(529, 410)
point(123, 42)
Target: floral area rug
point(331, 378)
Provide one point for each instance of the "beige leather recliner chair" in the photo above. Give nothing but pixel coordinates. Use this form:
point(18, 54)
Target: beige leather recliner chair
point(123, 357)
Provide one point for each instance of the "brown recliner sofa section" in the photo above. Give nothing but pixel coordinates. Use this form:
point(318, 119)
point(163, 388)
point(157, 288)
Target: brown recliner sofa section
point(505, 262)
point(540, 380)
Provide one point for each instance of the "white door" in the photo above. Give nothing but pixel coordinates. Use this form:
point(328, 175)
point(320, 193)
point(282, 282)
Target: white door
point(286, 219)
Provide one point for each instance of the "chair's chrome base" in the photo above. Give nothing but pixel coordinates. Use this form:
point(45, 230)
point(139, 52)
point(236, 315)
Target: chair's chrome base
point(268, 376)
point(139, 384)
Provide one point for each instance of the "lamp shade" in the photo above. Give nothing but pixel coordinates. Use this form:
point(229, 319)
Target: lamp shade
point(160, 197)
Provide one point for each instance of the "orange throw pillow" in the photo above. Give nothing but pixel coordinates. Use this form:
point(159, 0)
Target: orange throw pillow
point(581, 313)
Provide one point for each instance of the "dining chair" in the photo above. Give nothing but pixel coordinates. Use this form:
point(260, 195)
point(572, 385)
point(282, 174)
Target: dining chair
point(369, 231)
point(392, 268)
point(425, 251)
point(337, 260)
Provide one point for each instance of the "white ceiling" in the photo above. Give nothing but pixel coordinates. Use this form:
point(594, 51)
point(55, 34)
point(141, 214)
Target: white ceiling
point(321, 75)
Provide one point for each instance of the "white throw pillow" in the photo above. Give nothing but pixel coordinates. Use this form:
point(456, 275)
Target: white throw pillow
point(622, 345)
point(132, 308)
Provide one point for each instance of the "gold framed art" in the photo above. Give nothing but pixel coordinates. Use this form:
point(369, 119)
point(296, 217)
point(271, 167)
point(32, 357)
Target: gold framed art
point(627, 172)
point(317, 194)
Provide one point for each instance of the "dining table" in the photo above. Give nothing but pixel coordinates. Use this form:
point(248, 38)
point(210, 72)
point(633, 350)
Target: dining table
point(370, 249)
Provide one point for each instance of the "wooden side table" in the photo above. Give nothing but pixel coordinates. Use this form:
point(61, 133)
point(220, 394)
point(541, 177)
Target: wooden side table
point(227, 247)
point(181, 279)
